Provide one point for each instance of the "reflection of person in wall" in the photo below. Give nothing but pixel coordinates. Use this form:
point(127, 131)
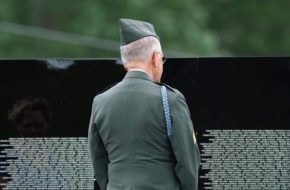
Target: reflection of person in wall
point(31, 117)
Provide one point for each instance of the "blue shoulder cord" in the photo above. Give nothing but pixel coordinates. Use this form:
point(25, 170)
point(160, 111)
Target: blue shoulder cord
point(166, 110)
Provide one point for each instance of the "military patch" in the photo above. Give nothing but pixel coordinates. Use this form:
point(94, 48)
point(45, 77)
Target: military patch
point(193, 137)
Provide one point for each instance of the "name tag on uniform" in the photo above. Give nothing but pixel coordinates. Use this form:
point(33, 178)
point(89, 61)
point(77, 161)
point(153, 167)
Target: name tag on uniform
point(193, 137)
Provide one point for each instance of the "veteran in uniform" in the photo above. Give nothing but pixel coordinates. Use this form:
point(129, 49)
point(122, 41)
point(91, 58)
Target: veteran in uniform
point(134, 143)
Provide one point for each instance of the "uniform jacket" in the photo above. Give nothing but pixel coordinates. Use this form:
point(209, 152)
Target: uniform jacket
point(128, 138)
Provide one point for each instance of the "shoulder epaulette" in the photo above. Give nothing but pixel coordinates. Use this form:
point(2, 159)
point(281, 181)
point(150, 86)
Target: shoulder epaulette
point(168, 87)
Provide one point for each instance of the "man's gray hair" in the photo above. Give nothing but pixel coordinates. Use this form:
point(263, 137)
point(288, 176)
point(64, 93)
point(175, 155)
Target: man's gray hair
point(140, 50)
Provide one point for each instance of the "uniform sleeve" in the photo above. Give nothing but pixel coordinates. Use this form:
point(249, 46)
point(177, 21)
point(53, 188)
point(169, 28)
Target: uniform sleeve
point(184, 145)
point(98, 153)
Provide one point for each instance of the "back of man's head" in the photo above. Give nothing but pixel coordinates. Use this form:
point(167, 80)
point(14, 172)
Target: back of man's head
point(138, 41)
point(140, 50)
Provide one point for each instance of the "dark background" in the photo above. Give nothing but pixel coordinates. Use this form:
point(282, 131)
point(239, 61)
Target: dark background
point(222, 93)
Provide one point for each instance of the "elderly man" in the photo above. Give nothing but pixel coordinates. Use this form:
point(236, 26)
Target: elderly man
point(140, 138)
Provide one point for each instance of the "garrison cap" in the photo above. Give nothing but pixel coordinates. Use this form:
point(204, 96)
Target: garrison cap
point(132, 30)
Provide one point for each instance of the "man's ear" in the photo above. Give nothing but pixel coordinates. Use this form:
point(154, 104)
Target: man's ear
point(126, 68)
point(155, 59)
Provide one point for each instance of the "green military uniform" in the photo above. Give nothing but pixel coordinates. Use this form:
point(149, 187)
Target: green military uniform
point(129, 143)
point(128, 138)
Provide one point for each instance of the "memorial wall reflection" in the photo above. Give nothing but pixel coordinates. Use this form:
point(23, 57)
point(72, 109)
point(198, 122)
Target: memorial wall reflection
point(240, 108)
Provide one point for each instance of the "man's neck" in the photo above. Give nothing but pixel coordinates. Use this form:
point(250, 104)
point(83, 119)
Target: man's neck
point(138, 66)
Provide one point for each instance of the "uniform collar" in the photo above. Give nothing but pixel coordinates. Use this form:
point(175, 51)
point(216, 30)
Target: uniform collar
point(137, 74)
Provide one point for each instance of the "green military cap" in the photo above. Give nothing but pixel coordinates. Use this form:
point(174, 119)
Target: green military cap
point(132, 30)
